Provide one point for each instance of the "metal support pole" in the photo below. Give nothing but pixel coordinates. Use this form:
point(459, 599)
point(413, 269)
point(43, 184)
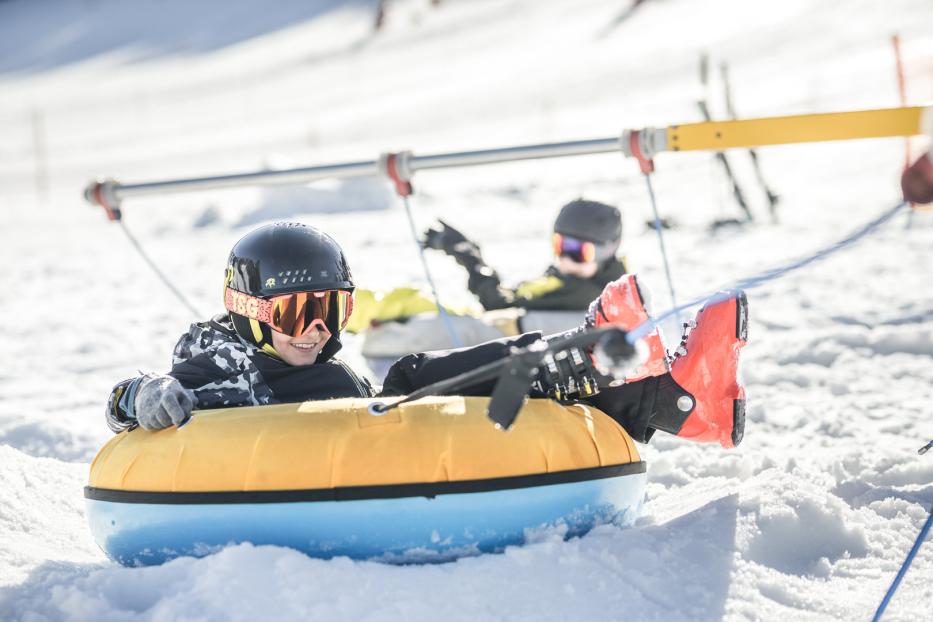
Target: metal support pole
point(117, 192)
point(715, 136)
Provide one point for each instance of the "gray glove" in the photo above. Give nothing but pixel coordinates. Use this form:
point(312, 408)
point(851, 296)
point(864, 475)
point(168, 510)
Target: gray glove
point(161, 401)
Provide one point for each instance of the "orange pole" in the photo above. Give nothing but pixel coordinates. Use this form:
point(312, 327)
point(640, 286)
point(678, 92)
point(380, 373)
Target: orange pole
point(902, 92)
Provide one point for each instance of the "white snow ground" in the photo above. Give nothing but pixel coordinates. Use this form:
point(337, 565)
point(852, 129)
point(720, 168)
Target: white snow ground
point(809, 519)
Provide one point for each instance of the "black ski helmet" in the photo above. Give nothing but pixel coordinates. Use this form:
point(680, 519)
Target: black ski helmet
point(283, 258)
point(594, 222)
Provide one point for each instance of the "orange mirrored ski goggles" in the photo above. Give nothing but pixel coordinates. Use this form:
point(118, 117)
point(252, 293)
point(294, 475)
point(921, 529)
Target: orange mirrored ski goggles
point(292, 314)
point(580, 251)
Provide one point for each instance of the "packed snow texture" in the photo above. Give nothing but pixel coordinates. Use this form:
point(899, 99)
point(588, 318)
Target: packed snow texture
point(808, 520)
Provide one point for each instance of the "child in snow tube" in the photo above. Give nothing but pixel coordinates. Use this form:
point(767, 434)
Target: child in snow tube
point(288, 294)
point(586, 242)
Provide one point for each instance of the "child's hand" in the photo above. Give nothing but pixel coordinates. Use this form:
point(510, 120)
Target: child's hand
point(161, 401)
point(442, 237)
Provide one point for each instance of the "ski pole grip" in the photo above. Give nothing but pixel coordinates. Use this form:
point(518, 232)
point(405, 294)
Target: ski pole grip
point(103, 193)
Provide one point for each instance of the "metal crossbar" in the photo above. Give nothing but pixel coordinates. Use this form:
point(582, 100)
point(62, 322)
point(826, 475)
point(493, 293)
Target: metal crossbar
point(712, 135)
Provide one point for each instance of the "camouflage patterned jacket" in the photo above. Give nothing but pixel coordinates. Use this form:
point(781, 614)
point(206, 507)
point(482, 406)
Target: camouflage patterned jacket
point(224, 370)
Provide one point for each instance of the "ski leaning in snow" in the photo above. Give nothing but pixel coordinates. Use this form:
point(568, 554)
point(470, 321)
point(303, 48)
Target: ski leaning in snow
point(623, 16)
point(703, 105)
point(773, 198)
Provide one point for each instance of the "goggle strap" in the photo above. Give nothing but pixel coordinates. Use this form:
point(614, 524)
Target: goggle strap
point(254, 308)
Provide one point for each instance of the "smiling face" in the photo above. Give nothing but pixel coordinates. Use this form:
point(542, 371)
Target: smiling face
point(302, 350)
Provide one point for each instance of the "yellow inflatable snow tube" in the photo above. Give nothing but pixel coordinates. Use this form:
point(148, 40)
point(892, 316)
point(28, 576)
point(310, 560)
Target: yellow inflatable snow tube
point(339, 444)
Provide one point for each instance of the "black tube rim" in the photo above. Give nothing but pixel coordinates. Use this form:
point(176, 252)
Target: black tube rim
point(361, 493)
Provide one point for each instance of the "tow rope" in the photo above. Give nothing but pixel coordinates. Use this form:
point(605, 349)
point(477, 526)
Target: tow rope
point(645, 162)
point(768, 275)
point(155, 268)
point(392, 165)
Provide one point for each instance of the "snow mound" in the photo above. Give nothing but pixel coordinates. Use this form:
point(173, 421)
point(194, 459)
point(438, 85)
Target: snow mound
point(600, 575)
point(40, 498)
point(796, 528)
point(44, 439)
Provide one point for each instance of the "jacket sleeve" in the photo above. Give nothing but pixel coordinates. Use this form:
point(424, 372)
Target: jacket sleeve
point(192, 374)
point(544, 292)
point(121, 408)
point(558, 292)
point(549, 292)
point(416, 371)
point(631, 404)
point(484, 283)
point(553, 293)
point(482, 280)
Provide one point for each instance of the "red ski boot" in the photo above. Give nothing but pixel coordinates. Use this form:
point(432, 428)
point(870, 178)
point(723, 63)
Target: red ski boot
point(706, 365)
point(622, 303)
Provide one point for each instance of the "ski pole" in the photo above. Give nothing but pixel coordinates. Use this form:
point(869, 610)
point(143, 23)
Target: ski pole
point(921, 537)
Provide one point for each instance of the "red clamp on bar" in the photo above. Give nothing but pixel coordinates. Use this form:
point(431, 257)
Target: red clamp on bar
point(395, 167)
point(103, 193)
point(636, 151)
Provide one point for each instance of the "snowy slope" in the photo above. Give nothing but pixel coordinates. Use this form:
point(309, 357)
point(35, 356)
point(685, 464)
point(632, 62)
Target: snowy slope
point(809, 519)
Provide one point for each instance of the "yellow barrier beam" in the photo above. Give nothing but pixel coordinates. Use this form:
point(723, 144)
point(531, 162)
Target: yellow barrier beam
point(805, 128)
